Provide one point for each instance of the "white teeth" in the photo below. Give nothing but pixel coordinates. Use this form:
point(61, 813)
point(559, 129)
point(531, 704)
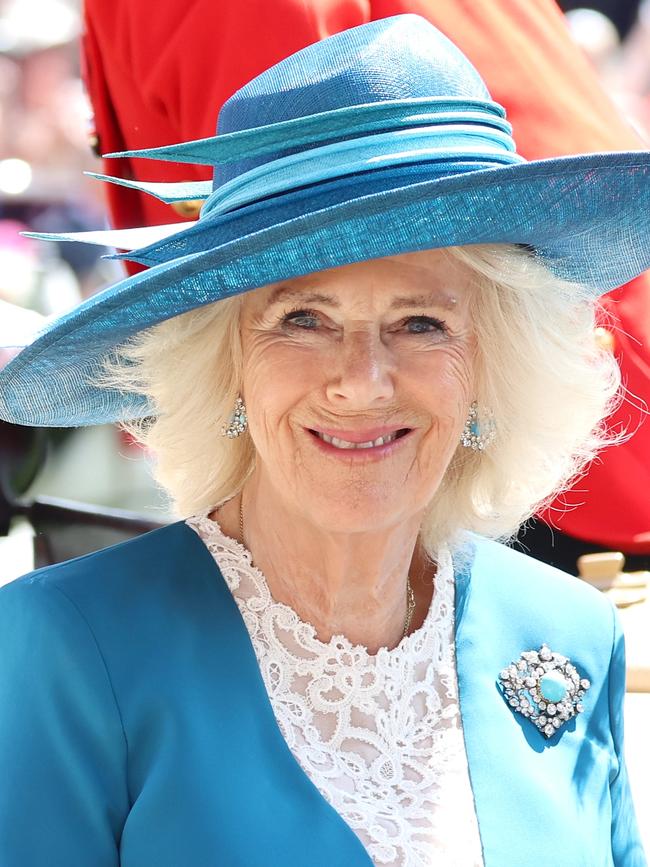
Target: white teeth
point(344, 444)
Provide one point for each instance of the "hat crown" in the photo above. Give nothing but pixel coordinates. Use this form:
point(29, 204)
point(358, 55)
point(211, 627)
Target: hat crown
point(403, 57)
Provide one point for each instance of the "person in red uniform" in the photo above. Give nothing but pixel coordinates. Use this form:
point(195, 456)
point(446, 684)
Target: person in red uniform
point(158, 79)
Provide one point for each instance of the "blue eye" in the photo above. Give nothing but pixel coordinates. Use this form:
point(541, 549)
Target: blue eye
point(301, 319)
point(308, 320)
point(425, 324)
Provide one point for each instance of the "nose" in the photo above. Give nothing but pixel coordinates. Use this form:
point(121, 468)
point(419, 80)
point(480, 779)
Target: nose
point(363, 373)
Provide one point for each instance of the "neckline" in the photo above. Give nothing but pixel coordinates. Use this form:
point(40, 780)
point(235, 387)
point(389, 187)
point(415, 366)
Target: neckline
point(444, 586)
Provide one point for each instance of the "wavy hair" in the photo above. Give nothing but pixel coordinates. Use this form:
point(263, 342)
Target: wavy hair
point(540, 374)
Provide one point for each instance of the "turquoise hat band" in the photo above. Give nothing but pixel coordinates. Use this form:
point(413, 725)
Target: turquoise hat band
point(323, 126)
point(455, 144)
point(471, 141)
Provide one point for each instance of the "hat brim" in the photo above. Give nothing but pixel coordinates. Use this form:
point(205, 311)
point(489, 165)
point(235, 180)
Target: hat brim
point(588, 217)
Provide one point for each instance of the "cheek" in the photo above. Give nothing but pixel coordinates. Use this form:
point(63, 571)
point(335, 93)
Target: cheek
point(277, 376)
point(270, 359)
point(443, 388)
point(445, 378)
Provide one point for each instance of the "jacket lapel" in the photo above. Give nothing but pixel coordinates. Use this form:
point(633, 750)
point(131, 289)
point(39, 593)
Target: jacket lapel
point(528, 790)
point(291, 822)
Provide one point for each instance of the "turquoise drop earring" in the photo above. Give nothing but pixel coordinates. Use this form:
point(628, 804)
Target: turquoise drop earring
point(238, 421)
point(477, 435)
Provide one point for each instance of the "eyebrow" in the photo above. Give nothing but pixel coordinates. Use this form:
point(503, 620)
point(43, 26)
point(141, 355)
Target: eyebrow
point(437, 298)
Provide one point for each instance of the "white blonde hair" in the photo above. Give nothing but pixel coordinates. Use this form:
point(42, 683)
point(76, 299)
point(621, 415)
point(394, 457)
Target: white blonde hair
point(540, 374)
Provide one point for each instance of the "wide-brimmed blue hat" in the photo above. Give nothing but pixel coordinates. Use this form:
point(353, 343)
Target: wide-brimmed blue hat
point(377, 141)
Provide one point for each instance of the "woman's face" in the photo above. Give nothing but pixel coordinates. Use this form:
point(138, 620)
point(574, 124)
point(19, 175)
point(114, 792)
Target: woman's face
point(379, 348)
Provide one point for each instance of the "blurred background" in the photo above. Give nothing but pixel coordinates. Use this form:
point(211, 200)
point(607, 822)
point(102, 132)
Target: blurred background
point(46, 143)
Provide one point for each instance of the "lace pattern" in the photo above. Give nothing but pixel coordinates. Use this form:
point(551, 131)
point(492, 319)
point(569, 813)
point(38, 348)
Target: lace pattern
point(379, 735)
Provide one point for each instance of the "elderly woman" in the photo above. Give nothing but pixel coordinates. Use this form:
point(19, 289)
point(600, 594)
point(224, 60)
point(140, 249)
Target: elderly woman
point(372, 355)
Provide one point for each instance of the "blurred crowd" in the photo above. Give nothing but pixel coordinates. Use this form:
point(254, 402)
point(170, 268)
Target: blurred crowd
point(45, 125)
point(615, 35)
point(47, 141)
point(46, 144)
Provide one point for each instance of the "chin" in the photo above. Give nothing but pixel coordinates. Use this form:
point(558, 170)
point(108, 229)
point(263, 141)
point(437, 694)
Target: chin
point(357, 511)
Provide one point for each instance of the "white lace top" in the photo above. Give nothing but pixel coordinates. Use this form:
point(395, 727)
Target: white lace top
point(379, 735)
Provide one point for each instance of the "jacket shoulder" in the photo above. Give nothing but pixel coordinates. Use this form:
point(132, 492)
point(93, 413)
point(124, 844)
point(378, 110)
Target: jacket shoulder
point(530, 589)
point(124, 570)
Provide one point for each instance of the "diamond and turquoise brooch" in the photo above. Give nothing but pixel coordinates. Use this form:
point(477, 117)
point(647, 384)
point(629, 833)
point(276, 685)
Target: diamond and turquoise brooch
point(545, 688)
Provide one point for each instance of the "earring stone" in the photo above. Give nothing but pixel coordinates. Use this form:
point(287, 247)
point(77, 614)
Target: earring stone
point(477, 435)
point(238, 421)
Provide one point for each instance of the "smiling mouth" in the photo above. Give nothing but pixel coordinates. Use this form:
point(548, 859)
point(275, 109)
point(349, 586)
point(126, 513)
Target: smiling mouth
point(345, 444)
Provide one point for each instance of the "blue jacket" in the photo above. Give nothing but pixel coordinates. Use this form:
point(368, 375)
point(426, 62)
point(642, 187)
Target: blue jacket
point(135, 728)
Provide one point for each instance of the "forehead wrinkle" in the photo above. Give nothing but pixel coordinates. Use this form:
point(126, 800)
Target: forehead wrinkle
point(439, 299)
point(286, 293)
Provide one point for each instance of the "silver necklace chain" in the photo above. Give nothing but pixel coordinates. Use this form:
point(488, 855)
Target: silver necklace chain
point(410, 595)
